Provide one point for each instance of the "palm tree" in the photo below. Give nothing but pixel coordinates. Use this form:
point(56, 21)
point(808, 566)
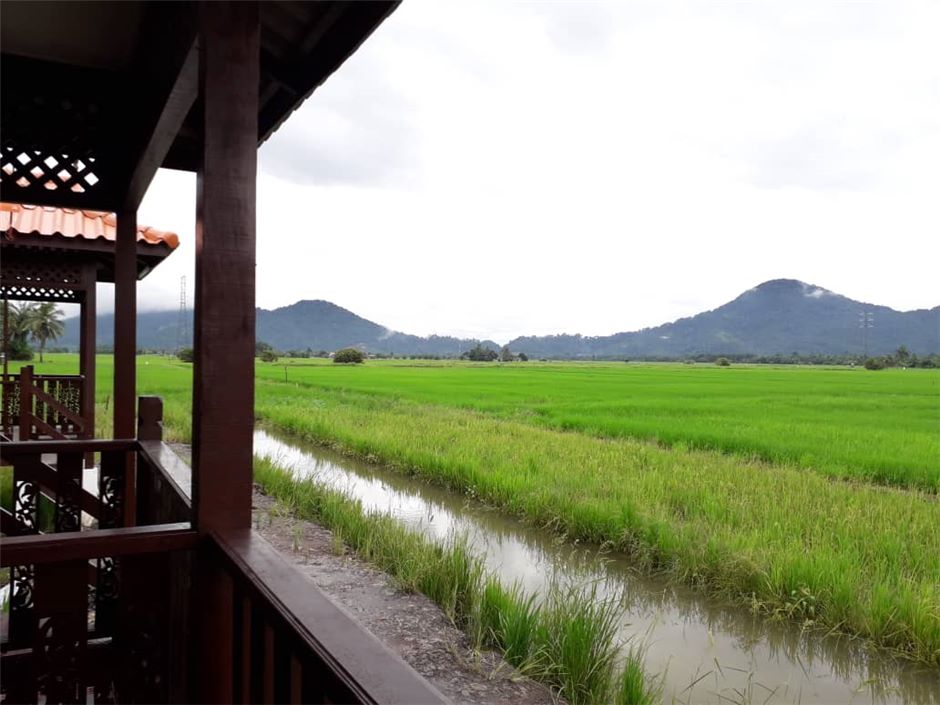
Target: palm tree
point(45, 324)
point(19, 328)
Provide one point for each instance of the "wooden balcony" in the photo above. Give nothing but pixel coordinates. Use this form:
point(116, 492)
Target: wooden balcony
point(44, 407)
point(115, 597)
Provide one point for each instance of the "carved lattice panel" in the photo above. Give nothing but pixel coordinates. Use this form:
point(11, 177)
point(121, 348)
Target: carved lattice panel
point(40, 278)
point(31, 170)
point(41, 293)
point(35, 271)
point(52, 142)
point(22, 577)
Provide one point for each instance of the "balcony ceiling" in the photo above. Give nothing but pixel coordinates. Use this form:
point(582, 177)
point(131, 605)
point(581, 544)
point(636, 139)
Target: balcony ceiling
point(109, 90)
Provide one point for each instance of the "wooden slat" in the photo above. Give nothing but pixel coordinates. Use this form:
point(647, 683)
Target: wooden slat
point(365, 668)
point(52, 548)
point(10, 525)
point(61, 599)
point(57, 406)
point(13, 450)
point(41, 427)
point(48, 480)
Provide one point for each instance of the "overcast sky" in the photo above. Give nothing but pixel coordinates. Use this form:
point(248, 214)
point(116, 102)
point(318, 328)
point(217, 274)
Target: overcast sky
point(494, 170)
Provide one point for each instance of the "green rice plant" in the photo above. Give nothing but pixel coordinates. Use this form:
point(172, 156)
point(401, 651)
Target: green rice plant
point(577, 632)
point(511, 619)
point(567, 642)
point(634, 687)
point(849, 557)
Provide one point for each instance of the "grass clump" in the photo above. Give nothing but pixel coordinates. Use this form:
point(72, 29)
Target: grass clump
point(568, 641)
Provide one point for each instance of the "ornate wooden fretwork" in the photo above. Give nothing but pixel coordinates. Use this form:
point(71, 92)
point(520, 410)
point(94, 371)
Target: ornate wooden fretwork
point(32, 278)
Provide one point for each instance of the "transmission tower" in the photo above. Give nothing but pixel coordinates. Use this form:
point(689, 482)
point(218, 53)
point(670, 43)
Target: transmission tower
point(866, 321)
point(181, 322)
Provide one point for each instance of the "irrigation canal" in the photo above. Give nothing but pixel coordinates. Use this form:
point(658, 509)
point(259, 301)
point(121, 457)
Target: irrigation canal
point(705, 651)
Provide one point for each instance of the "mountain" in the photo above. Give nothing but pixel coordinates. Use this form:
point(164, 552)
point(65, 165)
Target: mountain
point(321, 325)
point(778, 317)
point(318, 325)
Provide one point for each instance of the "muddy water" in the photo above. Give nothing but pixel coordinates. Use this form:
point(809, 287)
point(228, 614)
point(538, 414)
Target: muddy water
point(705, 652)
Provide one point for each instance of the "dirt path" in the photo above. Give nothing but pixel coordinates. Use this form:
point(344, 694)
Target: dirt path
point(409, 624)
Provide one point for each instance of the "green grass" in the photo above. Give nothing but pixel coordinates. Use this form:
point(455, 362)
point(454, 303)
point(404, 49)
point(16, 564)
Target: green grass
point(779, 535)
point(878, 426)
point(567, 641)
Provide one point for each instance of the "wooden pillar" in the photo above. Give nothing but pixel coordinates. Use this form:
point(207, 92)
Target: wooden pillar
point(125, 325)
point(223, 374)
point(87, 347)
point(224, 343)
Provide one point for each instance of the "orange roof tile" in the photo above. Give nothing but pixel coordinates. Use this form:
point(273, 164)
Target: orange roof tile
point(18, 218)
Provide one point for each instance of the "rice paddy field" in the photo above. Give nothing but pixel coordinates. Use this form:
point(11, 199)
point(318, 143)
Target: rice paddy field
point(805, 493)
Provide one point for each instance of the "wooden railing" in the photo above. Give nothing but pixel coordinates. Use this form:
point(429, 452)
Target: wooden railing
point(132, 604)
point(291, 643)
point(95, 601)
point(43, 406)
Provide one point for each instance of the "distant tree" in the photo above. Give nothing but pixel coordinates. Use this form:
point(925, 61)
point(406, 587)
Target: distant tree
point(268, 355)
point(45, 324)
point(523, 357)
point(505, 354)
point(723, 362)
point(478, 353)
point(186, 354)
point(902, 357)
point(349, 356)
point(262, 347)
point(875, 363)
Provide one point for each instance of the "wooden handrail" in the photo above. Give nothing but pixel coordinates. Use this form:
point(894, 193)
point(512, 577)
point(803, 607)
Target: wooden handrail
point(13, 377)
point(21, 448)
point(54, 548)
point(171, 467)
point(367, 668)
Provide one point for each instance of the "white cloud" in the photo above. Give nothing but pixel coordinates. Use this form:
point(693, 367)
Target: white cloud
point(495, 170)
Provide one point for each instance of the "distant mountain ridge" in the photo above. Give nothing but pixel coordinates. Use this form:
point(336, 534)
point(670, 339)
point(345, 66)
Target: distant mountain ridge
point(315, 325)
point(778, 317)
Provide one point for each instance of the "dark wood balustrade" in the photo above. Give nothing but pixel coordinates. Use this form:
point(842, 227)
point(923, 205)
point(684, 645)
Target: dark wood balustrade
point(115, 597)
point(44, 406)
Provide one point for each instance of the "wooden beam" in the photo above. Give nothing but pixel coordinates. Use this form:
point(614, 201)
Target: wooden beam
point(223, 373)
point(85, 545)
point(166, 77)
point(125, 325)
point(178, 102)
point(18, 450)
point(327, 45)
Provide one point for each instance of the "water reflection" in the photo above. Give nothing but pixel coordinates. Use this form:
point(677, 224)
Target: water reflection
point(728, 653)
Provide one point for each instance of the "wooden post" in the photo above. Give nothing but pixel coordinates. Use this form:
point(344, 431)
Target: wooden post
point(125, 325)
point(87, 347)
point(224, 342)
point(150, 419)
point(223, 373)
point(125, 350)
point(26, 402)
point(6, 337)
